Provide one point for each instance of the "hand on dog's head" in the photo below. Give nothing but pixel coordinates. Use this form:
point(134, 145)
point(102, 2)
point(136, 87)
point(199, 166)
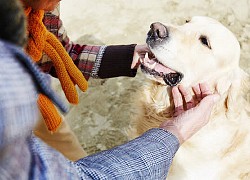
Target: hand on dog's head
point(12, 22)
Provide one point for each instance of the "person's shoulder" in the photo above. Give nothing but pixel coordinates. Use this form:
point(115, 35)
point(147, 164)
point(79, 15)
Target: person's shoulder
point(14, 77)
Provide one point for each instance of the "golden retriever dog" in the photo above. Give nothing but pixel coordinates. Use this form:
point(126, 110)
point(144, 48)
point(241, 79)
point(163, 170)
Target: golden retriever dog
point(201, 50)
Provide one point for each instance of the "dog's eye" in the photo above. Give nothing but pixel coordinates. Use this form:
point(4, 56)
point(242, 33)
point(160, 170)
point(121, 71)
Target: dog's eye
point(204, 41)
point(187, 21)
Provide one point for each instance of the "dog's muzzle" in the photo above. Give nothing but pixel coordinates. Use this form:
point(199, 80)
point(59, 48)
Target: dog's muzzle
point(157, 33)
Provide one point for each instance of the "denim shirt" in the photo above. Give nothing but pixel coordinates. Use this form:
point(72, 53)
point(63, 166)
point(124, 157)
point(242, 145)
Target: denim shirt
point(24, 156)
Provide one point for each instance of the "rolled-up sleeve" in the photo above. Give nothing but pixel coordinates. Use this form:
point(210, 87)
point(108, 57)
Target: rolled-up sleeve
point(146, 157)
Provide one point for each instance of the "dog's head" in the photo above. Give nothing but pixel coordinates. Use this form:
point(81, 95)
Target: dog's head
point(194, 52)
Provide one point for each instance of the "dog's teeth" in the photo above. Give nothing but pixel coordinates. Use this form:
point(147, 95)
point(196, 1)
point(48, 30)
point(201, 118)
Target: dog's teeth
point(152, 66)
point(146, 59)
point(155, 64)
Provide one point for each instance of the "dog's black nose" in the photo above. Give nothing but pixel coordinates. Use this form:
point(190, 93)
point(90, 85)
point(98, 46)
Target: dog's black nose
point(157, 31)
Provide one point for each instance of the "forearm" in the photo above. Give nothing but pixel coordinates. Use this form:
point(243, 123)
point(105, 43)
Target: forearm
point(92, 61)
point(147, 157)
point(116, 61)
point(103, 61)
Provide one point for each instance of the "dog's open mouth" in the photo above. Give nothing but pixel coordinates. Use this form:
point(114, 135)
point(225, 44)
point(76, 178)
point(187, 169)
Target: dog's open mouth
point(155, 68)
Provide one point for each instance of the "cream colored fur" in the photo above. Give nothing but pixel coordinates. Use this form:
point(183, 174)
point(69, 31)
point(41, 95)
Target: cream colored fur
point(220, 150)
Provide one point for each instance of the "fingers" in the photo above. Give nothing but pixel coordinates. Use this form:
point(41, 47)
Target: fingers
point(207, 99)
point(187, 96)
point(177, 97)
point(197, 92)
point(206, 105)
point(186, 122)
point(208, 102)
point(183, 98)
point(204, 88)
point(201, 90)
point(178, 102)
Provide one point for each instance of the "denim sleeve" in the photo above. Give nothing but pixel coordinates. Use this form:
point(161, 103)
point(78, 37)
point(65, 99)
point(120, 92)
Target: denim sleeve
point(146, 157)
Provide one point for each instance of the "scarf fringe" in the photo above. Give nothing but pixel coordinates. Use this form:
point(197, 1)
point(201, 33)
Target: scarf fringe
point(41, 40)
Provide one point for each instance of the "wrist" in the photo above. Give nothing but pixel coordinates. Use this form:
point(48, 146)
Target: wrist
point(171, 127)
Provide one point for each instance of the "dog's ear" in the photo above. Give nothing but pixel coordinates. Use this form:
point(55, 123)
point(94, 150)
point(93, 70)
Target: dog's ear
point(233, 87)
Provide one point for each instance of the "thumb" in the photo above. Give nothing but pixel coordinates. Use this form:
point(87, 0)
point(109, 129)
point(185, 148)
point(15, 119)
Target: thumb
point(211, 99)
point(207, 103)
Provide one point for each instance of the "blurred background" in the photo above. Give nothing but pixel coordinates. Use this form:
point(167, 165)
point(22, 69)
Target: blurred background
point(101, 118)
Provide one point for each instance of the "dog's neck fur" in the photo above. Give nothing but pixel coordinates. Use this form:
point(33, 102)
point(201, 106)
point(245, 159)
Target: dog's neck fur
point(157, 101)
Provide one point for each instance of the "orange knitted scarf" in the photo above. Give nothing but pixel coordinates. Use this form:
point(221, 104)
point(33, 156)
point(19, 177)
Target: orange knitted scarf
point(41, 40)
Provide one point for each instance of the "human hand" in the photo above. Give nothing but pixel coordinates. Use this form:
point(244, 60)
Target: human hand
point(191, 113)
point(139, 53)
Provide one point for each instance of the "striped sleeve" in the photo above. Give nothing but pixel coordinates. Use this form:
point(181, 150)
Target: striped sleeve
point(84, 56)
point(92, 61)
point(146, 157)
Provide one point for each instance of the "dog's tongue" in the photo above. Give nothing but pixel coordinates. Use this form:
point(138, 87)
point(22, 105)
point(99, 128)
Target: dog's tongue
point(155, 65)
point(163, 69)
